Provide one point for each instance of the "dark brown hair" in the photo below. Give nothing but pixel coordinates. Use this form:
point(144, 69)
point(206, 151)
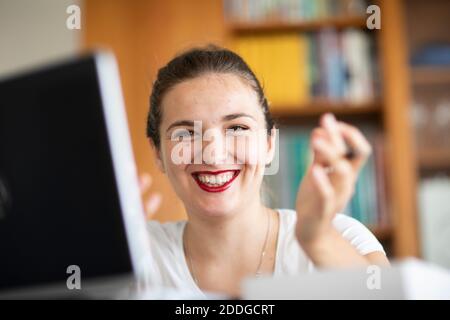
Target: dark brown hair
point(194, 63)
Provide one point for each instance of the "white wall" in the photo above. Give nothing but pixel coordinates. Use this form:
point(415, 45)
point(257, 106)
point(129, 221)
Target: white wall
point(33, 32)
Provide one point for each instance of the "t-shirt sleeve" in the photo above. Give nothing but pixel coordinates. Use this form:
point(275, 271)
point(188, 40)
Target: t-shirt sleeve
point(357, 234)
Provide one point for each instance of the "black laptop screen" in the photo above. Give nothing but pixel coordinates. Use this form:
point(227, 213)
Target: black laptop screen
point(59, 202)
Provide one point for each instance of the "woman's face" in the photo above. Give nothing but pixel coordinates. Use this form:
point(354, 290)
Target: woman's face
point(214, 143)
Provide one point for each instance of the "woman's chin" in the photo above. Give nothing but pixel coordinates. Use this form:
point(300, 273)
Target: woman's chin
point(216, 209)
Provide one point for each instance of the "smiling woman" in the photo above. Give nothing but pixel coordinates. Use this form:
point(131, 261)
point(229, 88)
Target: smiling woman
point(230, 234)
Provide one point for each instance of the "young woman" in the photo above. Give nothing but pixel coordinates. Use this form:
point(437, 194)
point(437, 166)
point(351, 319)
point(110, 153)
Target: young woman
point(229, 233)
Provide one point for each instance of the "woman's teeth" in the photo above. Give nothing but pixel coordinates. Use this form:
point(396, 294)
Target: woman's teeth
point(215, 180)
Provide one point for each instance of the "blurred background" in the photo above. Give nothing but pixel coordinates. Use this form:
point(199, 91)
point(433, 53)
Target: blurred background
point(312, 56)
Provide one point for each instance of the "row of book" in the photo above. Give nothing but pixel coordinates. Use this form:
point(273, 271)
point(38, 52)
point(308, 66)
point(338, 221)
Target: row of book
point(368, 203)
point(291, 10)
point(298, 68)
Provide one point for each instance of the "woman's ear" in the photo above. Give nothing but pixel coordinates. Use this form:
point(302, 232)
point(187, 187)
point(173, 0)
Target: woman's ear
point(271, 145)
point(158, 157)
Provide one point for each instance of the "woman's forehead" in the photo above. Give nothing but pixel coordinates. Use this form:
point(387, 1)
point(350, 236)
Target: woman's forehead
point(211, 96)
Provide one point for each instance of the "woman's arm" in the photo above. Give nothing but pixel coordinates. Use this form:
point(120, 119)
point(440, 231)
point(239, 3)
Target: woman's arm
point(327, 187)
point(332, 250)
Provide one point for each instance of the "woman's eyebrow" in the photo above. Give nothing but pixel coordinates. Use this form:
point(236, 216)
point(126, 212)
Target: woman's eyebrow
point(187, 123)
point(236, 115)
point(190, 123)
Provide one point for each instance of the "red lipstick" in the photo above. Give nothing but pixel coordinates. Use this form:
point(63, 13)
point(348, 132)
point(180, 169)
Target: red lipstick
point(209, 188)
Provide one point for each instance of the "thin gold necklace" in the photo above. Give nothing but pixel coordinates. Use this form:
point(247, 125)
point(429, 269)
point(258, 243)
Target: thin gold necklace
point(258, 269)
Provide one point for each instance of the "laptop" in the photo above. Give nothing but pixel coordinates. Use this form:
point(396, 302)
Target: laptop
point(71, 217)
point(406, 279)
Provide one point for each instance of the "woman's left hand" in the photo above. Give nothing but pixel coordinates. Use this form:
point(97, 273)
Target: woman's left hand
point(152, 201)
point(330, 180)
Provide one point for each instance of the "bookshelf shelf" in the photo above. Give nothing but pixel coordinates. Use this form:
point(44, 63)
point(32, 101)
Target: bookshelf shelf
point(301, 26)
point(433, 75)
point(384, 233)
point(434, 159)
point(316, 108)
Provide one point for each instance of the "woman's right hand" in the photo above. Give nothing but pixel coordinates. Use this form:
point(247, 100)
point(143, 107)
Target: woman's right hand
point(152, 201)
point(330, 181)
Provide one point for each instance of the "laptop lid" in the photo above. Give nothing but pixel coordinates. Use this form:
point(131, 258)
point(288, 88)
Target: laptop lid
point(69, 194)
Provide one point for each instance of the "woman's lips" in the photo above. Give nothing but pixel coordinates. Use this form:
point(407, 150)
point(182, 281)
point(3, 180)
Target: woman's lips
point(215, 181)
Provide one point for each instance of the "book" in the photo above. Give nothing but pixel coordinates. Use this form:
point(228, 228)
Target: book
point(367, 204)
point(291, 10)
point(297, 68)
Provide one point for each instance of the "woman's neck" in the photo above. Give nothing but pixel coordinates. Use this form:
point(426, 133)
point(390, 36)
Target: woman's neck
point(232, 235)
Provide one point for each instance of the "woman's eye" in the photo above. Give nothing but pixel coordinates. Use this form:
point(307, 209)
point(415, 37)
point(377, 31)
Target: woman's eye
point(183, 134)
point(238, 128)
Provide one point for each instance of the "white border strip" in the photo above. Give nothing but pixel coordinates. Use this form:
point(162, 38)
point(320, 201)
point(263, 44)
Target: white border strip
point(124, 165)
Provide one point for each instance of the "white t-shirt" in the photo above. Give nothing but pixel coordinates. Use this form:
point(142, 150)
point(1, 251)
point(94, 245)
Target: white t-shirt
point(170, 269)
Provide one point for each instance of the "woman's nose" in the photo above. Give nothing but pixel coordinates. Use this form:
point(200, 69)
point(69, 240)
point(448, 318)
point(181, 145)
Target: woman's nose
point(214, 150)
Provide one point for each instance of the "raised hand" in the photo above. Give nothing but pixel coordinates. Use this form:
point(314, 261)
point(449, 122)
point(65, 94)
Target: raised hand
point(152, 201)
point(330, 181)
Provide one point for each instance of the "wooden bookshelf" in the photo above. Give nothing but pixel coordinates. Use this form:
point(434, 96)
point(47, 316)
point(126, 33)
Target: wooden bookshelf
point(401, 169)
point(300, 26)
point(430, 75)
point(434, 159)
point(319, 107)
point(392, 110)
point(429, 83)
point(133, 28)
point(383, 233)
point(370, 112)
